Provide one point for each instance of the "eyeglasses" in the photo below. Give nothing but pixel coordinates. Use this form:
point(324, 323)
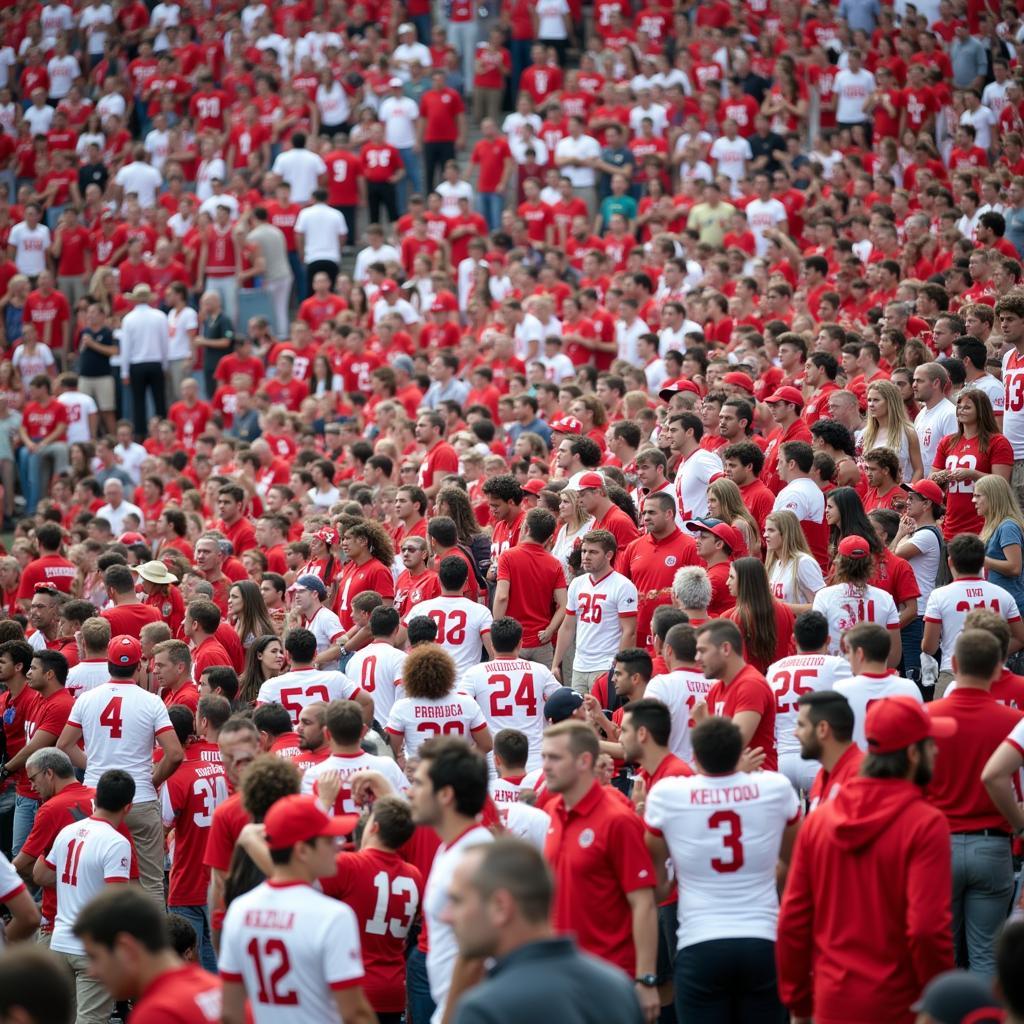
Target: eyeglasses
point(32, 778)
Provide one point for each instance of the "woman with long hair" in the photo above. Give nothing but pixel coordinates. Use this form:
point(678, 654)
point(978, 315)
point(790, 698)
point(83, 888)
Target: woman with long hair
point(845, 515)
point(903, 378)
point(765, 623)
point(247, 612)
point(429, 694)
point(794, 575)
point(321, 381)
point(264, 660)
point(574, 523)
point(888, 426)
point(977, 449)
point(852, 599)
point(1003, 534)
point(323, 562)
point(725, 502)
point(453, 501)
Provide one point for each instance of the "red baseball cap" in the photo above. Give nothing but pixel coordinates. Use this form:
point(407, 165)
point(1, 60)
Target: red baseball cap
point(124, 650)
point(438, 307)
point(388, 288)
point(590, 480)
point(728, 535)
point(787, 394)
point(854, 547)
point(534, 486)
point(895, 723)
point(739, 380)
point(673, 387)
point(298, 818)
point(927, 489)
point(566, 425)
point(131, 538)
point(329, 535)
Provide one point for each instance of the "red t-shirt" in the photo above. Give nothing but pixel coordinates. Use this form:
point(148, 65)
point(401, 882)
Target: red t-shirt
point(355, 579)
point(51, 569)
point(652, 565)
point(534, 575)
point(49, 714)
point(182, 994)
point(490, 155)
point(41, 420)
point(965, 453)
point(749, 691)
point(441, 460)
point(440, 108)
point(128, 619)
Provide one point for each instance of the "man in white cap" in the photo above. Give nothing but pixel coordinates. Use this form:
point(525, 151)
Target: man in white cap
point(145, 344)
point(399, 114)
point(408, 51)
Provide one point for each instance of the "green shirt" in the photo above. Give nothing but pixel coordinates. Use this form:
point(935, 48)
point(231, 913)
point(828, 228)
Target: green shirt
point(626, 205)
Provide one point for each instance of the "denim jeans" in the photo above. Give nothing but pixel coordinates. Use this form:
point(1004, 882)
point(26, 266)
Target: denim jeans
point(491, 205)
point(30, 466)
point(412, 183)
point(982, 890)
point(421, 1005)
point(199, 918)
point(911, 635)
point(25, 808)
point(7, 799)
point(299, 274)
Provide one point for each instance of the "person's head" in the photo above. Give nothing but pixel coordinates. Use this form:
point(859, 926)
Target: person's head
point(48, 770)
point(304, 839)
point(569, 751)
point(172, 663)
point(717, 745)
point(691, 588)
point(239, 743)
point(48, 671)
point(631, 672)
point(867, 645)
point(35, 986)
point(506, 636)
point(977, 658)
point(900, 738)
point(500, 897)
point(343, 720)
point(597, 550)
point(448, 782)
point(428, 672)
point(719, 648)
point(15, 660)
point(115, 792)
point(966, 555)
point(823, 717)
point(646, 725)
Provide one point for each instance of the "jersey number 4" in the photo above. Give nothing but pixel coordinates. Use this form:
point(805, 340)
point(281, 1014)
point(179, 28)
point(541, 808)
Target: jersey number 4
point(110, 718)
point(501, 690)
point(271, 956)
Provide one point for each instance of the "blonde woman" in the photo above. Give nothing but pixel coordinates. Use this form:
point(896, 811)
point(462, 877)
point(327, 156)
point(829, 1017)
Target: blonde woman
point(793, 572)
point(574, 523)
point(726, 503)
point(1003, 534)
point(888, 426)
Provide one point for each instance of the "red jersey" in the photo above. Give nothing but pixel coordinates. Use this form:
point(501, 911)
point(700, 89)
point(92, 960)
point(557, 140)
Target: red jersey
point(343, 170)
point(189, 798)
point(355, 579)
point(965, 453)
point(652, 565)
point(412, 590)
point(179, 996)
point(534, 576)
point(749, 691)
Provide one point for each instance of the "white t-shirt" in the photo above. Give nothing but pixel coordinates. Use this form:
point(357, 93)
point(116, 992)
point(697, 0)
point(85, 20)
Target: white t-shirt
point(764, 215)
point(932, 425)
point(862, 690)
point(62, 71)
point(680, 691)
point(451, 193)
point(949, 606)
point(141, 178)
point(87, 855)
point(322, 228)
point(10, 882)
point(993, 387)
point(852, 90)
point(385, 254)
point(926, 564)
point(798, 581)
point(845, 605)
point(1013, 409)
point(791, 677)
point(691, 483)
point(443, 948)
point(302, 169)
point(461, 625)
point(86, 675)
point(29, 365)
point(731, 156)
point(327, 628)
point(551, 19)
point(804, 498)
point(584, 148)
point(598, 605)
point(131, 458)
point(656, 112)
point(348, 765)
point(39, 119)
point(399, 115)
point(418, 719)
point(80, 407)
point(181, 322)
point(377, 669)
point(289, 945)
point(98, 19)
point(120, 723)
point(528, 823)
point(157, 146)
point(724, 834)
point(30, 247)
point(297, 690)
point(511, 693)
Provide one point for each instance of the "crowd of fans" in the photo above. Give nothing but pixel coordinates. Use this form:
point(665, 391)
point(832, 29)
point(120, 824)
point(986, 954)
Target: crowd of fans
point(513, 514)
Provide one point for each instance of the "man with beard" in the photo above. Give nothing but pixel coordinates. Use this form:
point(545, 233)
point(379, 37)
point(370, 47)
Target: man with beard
point(881, 839)
point(824, 730)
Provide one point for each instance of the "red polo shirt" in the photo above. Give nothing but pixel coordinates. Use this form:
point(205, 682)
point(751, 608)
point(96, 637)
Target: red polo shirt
point(749, 691)
point(597, 855)
point(652, 564)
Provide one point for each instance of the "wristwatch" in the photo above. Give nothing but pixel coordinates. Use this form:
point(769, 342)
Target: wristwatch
point(647, 980)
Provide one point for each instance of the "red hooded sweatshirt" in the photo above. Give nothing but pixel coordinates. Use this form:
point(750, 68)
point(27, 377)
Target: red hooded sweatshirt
point(865, 921)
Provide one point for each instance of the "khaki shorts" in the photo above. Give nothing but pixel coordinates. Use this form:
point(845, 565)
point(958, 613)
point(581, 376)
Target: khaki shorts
point(583, 682)
point(100, 390)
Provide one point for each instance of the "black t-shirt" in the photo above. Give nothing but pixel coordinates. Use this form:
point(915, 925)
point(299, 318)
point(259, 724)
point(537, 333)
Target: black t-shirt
point(90, 362)
point(216, 327)
point(93, 174)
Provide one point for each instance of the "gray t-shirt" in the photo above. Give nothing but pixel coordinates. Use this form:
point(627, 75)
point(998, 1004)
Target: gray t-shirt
point(274, 248)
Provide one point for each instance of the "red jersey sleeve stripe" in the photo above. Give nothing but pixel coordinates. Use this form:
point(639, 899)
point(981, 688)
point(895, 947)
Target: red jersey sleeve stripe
point(394, 732)
point(337, 636)
point(796, 817)
point(337, 986)
point(1009, 739)
point(166, 728)
point(627, 615)
point(894, 625)
point(477, 729)
point(228, 976)
point(929, 618)
point(16, 891)
point(569, 611)
point(115, 879)
point(654, 831)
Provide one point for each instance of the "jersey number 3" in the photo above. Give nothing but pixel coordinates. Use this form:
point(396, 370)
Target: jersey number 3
point(731, 840)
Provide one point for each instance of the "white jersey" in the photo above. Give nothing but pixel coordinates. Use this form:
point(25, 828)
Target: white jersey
point(120, 723)
point(724, 834)
point(442, 948)
point(598, 605)
point(87, 855)
point(327, 628)
point(863, 690)
point(504, 793)
point(1013, 389)
point(691, 484)
point(791, 677)
point(377, 669)
point(932, 425)
point(797, 581)
point(418, 719)
point(845, 605)
point(86, 675)
point(680, 691)
point(297, 690)
point(346, 765)
point(993, 387)
point(290, 945)
point(80, 407)
point(802, 497)
point(461, 625)
point(530, 824)
point(511, 693)
point(950, 605)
